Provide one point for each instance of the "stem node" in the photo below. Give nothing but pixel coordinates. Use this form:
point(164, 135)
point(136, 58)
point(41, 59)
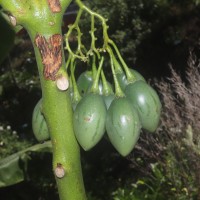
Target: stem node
point(59, 171)
point(62, 83)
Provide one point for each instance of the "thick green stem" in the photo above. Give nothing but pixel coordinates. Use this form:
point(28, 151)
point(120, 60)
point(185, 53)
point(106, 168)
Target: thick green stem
point(129, 75)
point(95, 85)
point(106, 89)
point(118, 90)
point(76, 95)
point(66, 155)
point(43, 23)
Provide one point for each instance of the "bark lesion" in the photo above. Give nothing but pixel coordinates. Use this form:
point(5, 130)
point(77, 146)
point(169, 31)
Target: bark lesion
point(54, 5)
point(51, 53)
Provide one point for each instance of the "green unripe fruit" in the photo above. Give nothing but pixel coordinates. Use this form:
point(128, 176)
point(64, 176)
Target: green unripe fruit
point(89, 120)
point(100, 89)
point(123, 125)
point(39, 125)
point(108, 99)
point(84, 81)
point(121, 77)
point(145, 99)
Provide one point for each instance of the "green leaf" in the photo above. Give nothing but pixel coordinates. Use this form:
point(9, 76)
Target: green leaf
point(13, 168)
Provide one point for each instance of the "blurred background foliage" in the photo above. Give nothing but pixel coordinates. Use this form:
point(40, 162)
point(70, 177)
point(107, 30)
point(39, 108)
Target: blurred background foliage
point(151, 34)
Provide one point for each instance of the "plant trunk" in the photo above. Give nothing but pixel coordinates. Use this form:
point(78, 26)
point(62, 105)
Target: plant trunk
point(42, 19)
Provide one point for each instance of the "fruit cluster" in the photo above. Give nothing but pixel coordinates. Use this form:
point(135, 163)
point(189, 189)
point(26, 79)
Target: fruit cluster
point(98, 108)
point(134, 105)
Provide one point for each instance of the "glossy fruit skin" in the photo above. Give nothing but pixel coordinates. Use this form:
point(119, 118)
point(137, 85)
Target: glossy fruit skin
point(108, 99)
point(84, 81)
point(145, 99)
point(123, 125)
point(74, 104)
point(89, 120)
point(121, 77)
point(39, 125)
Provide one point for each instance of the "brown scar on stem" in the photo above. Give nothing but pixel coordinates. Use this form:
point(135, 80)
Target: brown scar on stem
point(54, 5)
point(50, 51)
